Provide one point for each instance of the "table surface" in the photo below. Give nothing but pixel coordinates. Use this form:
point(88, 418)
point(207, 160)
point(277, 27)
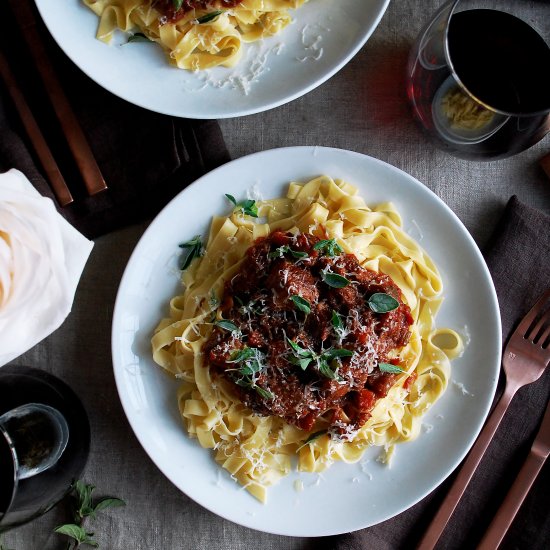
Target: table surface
point(362, 108)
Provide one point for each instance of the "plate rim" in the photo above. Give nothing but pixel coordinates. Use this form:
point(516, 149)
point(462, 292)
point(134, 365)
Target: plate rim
point(481, 263)
point(222, 114)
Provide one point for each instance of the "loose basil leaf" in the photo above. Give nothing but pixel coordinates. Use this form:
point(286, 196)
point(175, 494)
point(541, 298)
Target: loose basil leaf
point(380, 302)
point(312, 438)
point(329, 247)
point(138, 37)
point(177, 4)
point(209, 17)
point(391, 369)
point(334, 280)
point(247, 206)
point(226, 325)
point(192, 249)
point(301, 304)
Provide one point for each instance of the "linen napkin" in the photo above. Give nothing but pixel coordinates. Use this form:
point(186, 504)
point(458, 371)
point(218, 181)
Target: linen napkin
point(146, 158)
point(518, 257)
point(41, 260)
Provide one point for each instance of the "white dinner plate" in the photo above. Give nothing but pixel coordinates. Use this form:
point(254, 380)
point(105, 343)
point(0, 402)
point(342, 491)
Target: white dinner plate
point(323, 37)
point(346, 497)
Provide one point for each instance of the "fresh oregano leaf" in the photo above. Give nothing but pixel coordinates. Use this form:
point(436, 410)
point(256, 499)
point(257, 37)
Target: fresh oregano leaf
point(209, 17)
point(72, 530)
point(301, 303)
point(334, 280)
point(326, 370)
point(109, 502)
point(247, 206)
point(237, 356)
point(227, 325)
point(331, 354)
point(391, 369)
point(329, 247)
point(138, 37)
point(336, 320)
point(263, 392)
point(380, 302)
point(312, 438)
point(191, 249)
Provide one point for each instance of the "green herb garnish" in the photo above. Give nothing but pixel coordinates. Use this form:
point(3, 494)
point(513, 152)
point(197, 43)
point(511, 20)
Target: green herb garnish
point(247, 206)
point(312, 438)
point(138, 37)
point(337, 323)
point(251, 362)
point(300, 356)
point(329, 247)
point(209, 17)
point(227, 325)
point(333, 279)
point(285, 249)
point(191, 249)
point(381, 302)
point(177, 4)
point(84, 507)
point(389, 368)
point(301, 304)
point(304, 356)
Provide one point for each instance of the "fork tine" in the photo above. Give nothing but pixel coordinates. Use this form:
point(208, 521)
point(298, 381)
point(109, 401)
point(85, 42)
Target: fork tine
point(527, 321)
point(534, 332)
point(544, 338)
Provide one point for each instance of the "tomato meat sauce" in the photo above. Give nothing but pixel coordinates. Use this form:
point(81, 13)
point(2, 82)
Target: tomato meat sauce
point(301, 337)
point(173, 14)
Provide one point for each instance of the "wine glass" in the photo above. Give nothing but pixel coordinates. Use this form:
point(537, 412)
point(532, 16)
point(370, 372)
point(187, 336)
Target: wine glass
point(44, 443)
point(477, 77)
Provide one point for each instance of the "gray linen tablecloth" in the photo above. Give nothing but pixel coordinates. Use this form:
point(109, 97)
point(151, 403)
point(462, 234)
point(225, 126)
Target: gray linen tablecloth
point(362, 108)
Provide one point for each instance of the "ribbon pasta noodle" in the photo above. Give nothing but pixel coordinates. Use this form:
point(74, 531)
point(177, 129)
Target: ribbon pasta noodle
point(258, 450)
point(195, 40)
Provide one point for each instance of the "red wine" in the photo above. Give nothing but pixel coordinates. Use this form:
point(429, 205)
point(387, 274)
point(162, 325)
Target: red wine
point(501, 60)
point(479, 85)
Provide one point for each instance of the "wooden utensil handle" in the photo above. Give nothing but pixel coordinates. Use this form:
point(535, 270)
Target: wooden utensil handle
point(437, 526)
point(512, 503)
point(53, 175)
point(76, 140)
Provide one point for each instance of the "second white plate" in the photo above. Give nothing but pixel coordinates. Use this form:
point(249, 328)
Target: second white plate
point(323, 37)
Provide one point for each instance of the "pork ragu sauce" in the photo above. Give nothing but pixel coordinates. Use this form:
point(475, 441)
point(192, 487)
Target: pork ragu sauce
point(258, 301)
point(166, 7)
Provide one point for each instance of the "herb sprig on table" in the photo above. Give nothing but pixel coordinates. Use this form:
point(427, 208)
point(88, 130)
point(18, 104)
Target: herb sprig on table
point(84, 508)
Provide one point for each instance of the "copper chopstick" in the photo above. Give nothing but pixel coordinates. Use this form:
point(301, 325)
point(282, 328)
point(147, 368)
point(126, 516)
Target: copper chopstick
point(77, 142)
point(531, 467)
point(53, 175)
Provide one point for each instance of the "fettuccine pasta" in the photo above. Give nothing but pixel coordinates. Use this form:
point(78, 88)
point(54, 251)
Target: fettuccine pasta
point(257, 450)
point(197, 34)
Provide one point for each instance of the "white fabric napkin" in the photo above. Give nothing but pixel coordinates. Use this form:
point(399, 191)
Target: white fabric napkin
point(41, 260)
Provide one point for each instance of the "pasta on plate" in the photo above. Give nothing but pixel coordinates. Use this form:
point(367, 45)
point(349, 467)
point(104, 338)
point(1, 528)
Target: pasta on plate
point(195, 34)
point(232, 405)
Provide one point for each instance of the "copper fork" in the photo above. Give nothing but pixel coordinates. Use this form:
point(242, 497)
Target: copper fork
point(529, 471)
point(525, 357)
